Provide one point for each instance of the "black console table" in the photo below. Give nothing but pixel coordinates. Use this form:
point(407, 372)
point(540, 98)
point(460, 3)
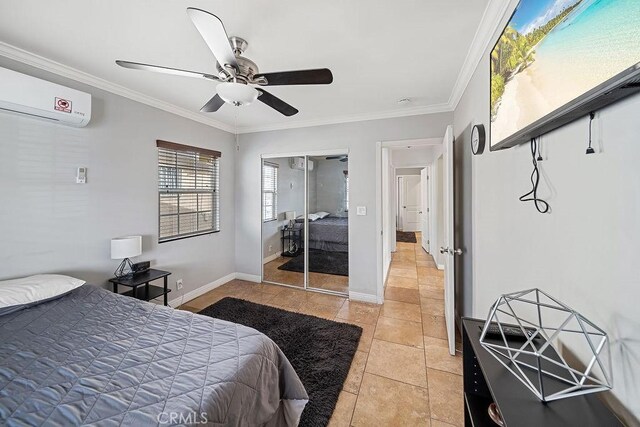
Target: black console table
point(146, 292)
point(487, 381)
point(291, 235)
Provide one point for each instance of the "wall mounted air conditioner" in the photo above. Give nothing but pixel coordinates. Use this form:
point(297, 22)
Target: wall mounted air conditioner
point(298, 163)
point(29, 96)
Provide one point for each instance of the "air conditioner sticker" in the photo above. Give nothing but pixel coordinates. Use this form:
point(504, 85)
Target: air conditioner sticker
point(63, 105)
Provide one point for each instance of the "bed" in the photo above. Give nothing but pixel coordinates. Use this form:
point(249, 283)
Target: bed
point(95, 357)
point(329, 234)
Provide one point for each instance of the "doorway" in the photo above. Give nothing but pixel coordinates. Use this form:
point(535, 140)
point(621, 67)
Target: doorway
point(435, 167)
point(305, 221)
point(409, 203)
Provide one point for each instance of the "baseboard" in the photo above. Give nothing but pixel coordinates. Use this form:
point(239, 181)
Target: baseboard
point(359, 296)
point(202, 290)
point(248, 277)
point(271, 257)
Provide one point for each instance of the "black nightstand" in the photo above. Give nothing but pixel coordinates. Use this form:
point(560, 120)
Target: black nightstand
point(146, 292)
point(291, 236)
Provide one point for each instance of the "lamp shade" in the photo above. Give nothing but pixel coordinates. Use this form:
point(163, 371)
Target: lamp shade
point(126, 247)
point(237, 93)
point(290, 215)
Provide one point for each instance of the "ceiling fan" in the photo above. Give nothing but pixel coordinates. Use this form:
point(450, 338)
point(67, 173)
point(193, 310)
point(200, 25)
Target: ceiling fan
point(237, 74)
point(342, 158)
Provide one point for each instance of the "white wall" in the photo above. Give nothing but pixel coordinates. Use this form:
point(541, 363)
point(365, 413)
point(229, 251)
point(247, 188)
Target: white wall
point(50, 224)
point(360, 139)
point(585, 252)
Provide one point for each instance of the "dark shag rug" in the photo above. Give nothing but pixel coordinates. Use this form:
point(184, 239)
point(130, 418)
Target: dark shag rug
point(326, 262)
point(319, 350)
point(406, 236)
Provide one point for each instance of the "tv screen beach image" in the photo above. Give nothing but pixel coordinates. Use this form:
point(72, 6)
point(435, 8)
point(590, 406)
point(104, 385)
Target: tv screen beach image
point(553, 51)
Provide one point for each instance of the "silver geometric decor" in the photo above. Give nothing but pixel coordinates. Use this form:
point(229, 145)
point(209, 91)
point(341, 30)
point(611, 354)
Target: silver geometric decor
point(545, 327)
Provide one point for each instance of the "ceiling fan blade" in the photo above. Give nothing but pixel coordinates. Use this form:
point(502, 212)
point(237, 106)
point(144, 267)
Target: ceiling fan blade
point(213, 105)
point(212, 31)
point(320, 76)
point(164, 70)
point(276, 103)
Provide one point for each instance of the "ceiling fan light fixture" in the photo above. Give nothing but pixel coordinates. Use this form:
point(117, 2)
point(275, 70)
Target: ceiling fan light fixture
point(237, 93)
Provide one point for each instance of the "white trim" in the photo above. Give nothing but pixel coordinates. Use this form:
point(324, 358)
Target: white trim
point(45, 64)
point(317, 153)
point(440, 266)
point(403, 143)
point(201, 290)
point(359, 296)
point(271, 257)
point(496, 12)
point(248, 277)
point(363, 117)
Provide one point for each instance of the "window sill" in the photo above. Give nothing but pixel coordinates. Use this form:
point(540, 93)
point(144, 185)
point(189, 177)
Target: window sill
point(172, 239)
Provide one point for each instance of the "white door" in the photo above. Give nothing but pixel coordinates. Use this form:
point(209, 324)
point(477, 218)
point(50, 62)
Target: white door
point(448, 249)
point(411, 203)
point(426, 232)
point(387, 186)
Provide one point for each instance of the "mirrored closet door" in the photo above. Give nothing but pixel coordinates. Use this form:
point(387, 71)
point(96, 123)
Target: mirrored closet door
point(305, 231)
point(328, 242)
point(283, 200)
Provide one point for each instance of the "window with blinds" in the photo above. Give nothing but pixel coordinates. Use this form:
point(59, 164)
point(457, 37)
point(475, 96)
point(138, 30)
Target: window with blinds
point(269, 191)
point(188, 186)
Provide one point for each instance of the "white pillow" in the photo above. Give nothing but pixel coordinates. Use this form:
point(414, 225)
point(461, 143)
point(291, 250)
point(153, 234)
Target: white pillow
point(21, 293)
point(322, 214)
point(312, 217)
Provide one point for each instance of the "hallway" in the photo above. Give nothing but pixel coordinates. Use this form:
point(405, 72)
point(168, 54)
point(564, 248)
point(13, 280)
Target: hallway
point(402, 373)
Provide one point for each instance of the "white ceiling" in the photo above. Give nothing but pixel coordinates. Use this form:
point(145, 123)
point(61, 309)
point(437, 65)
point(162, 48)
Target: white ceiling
point(378, 50)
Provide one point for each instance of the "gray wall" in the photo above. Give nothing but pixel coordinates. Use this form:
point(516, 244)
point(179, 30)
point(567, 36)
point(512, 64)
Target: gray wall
point(408, 171)
point(415, 156)
point(360, 139)
point(50, 224)
point(330, 186)
point(290, 198)
point(585, 252)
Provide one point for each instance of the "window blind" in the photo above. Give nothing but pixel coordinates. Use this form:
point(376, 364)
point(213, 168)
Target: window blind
point(188, 186)
point(269, 191)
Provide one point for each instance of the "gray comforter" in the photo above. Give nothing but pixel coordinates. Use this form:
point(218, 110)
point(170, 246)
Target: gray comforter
point(94, 357)
point(329, 234)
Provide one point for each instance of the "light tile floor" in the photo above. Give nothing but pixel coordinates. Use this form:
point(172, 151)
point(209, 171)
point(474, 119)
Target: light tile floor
point(402, 373)
point(329, 282)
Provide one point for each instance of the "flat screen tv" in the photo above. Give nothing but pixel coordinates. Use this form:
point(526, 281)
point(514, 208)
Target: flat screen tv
point(559, 60)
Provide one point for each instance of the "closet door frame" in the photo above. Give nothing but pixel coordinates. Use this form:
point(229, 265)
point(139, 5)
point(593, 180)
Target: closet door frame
point(306, 155)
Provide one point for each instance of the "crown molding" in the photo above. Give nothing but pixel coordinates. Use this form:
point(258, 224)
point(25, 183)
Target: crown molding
point(42, 63)
point(494, 14)
point(405, 112)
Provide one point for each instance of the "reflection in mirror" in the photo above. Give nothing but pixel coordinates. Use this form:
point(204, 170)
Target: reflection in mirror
point(328, 243)
point(282, 220)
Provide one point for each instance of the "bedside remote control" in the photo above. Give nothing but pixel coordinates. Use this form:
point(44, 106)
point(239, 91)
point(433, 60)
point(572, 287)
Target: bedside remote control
point(510, 332)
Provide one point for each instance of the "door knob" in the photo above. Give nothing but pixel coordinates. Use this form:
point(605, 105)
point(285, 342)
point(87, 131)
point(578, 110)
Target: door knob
point(456, 252)
point(443, 250)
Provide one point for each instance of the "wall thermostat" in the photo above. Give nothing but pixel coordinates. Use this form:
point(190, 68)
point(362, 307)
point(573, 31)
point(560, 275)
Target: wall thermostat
point(81, 176)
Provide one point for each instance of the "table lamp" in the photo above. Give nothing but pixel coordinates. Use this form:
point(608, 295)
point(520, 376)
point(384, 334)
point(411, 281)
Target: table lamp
point(124, 248)
point(290, 216)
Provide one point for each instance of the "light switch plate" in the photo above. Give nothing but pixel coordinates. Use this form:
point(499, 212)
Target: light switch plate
point(81, 175)
point(361, 210)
